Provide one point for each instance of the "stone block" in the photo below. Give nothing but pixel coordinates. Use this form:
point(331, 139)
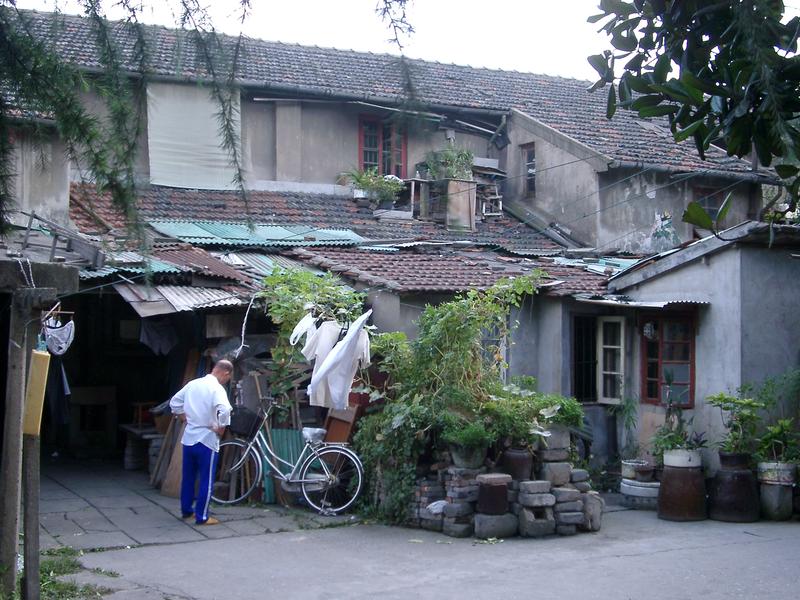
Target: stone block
point(458, 473)
point(579, 475)
point(565, 494)
point(465, 495)
point(583, 486)
point(514, 507)
point(532, 526)
point(556, 473)
point(554, 455)
point(493, 479)
point(566, 529)
point(577, 505)
point(512, 495)
point(424, 513)
point(458, 530)
point(533, 500)
point(458, 509)
point(514, 485)
point(431, 524)
point(496, 526)
point(593, 508)
point(558, 438)
point(535, 487)
point(569, 518)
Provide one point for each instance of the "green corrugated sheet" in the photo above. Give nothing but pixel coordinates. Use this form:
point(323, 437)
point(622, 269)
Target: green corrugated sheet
point(288, 444)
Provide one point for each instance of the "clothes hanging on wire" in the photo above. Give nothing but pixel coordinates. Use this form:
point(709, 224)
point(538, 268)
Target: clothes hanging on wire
point(306, 326)
point(57, 336)
point(319, 344)
point(158, 335)
point(335, 374)
point(57, 392)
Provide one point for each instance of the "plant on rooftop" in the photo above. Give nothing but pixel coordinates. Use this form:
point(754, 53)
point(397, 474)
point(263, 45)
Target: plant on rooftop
point(451, 162)
point(385, 188)
point(443, 380)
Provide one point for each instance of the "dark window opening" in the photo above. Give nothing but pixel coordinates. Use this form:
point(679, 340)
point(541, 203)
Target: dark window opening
point(584, 351)
point(529, 155)
point(668, 361)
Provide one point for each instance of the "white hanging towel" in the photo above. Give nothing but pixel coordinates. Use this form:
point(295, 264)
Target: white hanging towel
point(319, 344)
point(303, 327)
point(340, 366)
point(57, 336)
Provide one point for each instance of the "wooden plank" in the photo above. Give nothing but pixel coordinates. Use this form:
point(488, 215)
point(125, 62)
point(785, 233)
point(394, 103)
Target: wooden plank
point(341, 423)
point(166, 450)
point(171, 486)
point(30, 481)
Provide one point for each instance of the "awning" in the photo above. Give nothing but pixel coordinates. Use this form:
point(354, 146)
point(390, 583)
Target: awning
point(150, 301)
point(617, 300)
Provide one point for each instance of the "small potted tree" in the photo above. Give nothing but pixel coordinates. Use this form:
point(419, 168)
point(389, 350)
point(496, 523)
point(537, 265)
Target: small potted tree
point(776, 473)
point(375, 190)
point(468, 440)
point(734, 493)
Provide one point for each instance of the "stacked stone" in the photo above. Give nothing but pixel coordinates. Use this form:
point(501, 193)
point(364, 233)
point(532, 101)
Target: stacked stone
point(461, 492)
point(493, 519)
point(425, 492)
point(535, 509)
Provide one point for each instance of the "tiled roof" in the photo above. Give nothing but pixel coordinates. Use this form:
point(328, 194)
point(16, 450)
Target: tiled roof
point(443, 269)
point(563, 104)
point(93, 213)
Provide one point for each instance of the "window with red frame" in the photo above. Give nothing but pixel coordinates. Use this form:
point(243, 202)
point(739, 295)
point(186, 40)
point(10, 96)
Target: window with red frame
point(382, 146)
point(668, 360)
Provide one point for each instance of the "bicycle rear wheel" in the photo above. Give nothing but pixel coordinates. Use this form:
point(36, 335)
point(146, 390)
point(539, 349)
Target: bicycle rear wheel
point(331, 480)
point(238, 472)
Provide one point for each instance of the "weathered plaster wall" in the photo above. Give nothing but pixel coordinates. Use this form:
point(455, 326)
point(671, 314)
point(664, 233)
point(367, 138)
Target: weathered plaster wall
point(630, 210)
point(771, 324)
point(41, 177)
point(718, 335)
point(258, 139)
point(566, 186)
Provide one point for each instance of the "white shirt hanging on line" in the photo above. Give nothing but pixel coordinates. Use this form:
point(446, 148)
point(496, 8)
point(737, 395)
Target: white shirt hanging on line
point(340, 366)
point(303, 327)
point(319, 344)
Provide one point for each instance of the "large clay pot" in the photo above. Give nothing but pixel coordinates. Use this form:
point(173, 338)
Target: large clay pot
point(682, 494)
point(468, 458)
point(518, 462)
point(733, 495)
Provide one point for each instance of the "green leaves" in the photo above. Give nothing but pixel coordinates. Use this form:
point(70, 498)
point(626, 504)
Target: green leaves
point(696, 215)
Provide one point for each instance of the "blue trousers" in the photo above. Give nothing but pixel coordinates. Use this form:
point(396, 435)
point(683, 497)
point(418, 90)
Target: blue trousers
point(199, 462)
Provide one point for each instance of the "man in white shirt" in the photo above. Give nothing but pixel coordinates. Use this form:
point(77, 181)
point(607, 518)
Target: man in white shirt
point(203, 405)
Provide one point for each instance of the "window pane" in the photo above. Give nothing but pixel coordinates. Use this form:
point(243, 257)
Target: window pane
point(611, 386)
point(611, 333)
point(652, 350)
point(680, 373)
point(678, 351)
point(677, 331)
point(611, 360)
point(652, 370)
point(652, 389)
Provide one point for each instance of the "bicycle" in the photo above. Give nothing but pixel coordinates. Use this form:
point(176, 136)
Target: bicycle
point(329, 475)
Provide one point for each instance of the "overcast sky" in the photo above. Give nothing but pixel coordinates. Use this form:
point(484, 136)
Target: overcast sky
point(540, 36)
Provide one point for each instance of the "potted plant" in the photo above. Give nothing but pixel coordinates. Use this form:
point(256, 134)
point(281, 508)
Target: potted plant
point(682, 491)
point(468, 441)
point(777, 448)
point(734, 493)
point(380, 191)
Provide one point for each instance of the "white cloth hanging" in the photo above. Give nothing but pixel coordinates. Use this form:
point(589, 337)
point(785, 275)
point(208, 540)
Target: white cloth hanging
point(303, 327)
point(340, 365)
point(319, 344)
point(57, 336)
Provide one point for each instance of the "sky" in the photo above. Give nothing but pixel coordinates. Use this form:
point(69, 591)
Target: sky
point(539, 36)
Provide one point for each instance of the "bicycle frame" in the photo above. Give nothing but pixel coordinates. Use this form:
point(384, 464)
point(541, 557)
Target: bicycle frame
point(310, 449)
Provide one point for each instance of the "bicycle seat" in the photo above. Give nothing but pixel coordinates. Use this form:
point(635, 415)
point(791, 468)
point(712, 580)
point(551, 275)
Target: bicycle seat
point(314, 434)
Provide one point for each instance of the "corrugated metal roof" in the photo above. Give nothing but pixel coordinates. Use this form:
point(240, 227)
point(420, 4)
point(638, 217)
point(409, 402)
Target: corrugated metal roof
point(185, 298)
point(261, 264)
point(200, 261)
point(127, 265)
point(220, 233)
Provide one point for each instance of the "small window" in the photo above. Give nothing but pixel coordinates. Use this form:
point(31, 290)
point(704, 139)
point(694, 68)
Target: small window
point(610, 359)
point(710, 199)
point(529, 158)
point(668, 361)
point(382, 146)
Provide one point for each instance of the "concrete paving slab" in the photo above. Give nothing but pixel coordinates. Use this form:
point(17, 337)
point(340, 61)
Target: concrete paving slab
point(98, 579)
point(58, 524)
point(89, 541)
point(120, 501)
point(139, 594)
point(165, 535)
point(47, 541)
point(251, 527)
point(216, 532)
point(277, 524)
point(90, 519)
point(62, 505)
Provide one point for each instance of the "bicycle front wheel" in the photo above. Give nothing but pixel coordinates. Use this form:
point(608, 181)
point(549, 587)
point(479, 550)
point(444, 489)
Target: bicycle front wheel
point(331, 480)
point(238, 472)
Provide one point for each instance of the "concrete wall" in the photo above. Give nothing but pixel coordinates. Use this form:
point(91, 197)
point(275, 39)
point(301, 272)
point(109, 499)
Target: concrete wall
point(631, 209)
point(41, 176)
point(566, 187)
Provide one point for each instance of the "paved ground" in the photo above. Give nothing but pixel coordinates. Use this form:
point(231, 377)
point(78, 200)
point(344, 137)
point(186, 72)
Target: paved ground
point(97, 505)
point(635, 555)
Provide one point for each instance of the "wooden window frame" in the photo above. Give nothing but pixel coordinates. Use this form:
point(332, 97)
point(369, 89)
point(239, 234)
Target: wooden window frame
point(683, 318)
point(530, 180)
point(380, 123)
point(600, 371)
